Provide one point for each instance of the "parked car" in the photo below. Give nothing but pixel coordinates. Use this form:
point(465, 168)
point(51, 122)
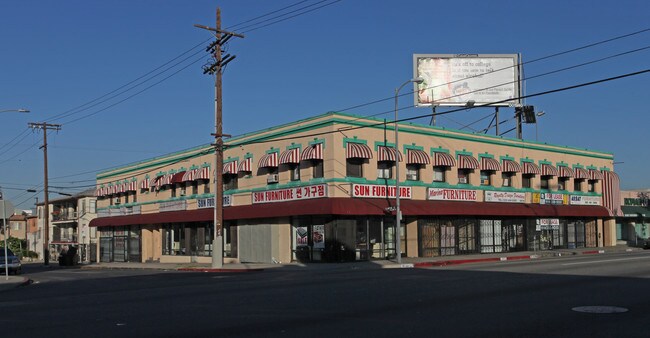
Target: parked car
point(13, 262)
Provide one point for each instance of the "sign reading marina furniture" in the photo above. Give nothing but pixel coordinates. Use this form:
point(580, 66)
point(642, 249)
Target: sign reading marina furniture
point(290, 194)
point(380, 191)
point(505, 196)
point(451, 194)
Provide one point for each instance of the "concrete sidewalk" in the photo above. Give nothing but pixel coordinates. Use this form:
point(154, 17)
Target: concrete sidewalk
point(407, 262)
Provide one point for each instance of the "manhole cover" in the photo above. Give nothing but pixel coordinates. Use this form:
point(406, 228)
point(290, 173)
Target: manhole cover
point(599, 309)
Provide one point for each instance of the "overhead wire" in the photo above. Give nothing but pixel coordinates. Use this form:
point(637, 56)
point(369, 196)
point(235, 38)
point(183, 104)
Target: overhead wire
point(357, 106)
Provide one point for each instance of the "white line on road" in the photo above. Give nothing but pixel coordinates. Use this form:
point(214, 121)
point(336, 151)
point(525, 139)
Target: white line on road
point(607, 260)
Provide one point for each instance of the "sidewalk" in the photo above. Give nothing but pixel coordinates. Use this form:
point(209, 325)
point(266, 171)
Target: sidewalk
point(407, 262)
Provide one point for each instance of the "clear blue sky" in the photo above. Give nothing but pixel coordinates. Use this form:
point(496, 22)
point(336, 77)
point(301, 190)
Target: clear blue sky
point(59, 55)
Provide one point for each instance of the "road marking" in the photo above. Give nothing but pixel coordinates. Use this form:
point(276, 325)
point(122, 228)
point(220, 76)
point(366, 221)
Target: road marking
point(607, 260)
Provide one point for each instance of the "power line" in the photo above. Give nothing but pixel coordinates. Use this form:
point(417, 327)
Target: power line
point(272, 139)
point(287, 18)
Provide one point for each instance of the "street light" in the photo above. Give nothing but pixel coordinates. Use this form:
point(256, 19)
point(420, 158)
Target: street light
point(15, 110)
point(398, 212)
point(541, 113)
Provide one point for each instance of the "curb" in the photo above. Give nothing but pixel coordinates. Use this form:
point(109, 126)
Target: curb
point(218, 270)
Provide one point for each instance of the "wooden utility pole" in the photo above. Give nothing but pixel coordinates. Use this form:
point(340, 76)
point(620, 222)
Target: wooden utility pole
point(216, 68)
point(46, 203)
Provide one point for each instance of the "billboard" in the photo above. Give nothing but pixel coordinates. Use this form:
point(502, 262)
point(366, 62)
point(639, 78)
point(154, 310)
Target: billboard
point(456, 79)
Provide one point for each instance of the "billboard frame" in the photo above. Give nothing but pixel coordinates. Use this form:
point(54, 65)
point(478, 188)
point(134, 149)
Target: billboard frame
point(504, 90)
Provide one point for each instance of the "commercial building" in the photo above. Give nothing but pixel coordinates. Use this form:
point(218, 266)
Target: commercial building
point(632, 225)
point(323, 189)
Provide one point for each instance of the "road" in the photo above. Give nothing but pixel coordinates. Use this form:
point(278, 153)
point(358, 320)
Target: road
point(506, 299)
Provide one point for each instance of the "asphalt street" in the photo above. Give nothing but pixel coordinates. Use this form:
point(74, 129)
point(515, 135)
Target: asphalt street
point(536, 298)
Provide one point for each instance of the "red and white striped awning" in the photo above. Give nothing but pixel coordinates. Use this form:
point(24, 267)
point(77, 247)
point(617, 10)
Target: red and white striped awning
point(388, 154)
point(581, 173)
point(290, 156)
point(612, 193)
point(595, 174)
point(268, 160)
point(133, 186)
point(441, 159)
point(510, 166)
point(165, 180)
point(154, 181)
point(467, 162)
point(548, 170)
point(490, 164)
point(189, 175)
point(230, 168)
point(416, 156)
point(203, 173)
point(144, 185)
point(357, 150)
point(98, 192)
point(246, 165)
point(530, 168)
point(313, 152)
point(564, 171)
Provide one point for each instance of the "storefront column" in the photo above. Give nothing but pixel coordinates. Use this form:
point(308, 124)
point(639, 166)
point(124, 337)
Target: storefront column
point(411, 238)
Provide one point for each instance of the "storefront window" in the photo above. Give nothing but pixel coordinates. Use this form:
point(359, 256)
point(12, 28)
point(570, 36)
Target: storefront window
point(206, 186)
point(527, 180)
point(562, 183)
point(194, 239)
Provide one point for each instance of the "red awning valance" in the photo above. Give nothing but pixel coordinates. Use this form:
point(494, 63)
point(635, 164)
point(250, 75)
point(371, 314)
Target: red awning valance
point(359, 206)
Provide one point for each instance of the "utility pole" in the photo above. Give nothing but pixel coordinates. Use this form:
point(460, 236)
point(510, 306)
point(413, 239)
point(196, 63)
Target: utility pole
point(46, 203)
point(216, 68)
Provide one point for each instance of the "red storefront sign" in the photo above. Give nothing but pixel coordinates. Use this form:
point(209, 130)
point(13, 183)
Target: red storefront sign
point(379, 191)
point(290, 194)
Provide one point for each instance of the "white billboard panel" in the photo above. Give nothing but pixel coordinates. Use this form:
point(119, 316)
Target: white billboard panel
point(455, 79)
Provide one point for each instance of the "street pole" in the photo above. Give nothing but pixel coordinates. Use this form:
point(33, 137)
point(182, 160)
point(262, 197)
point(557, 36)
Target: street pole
point(4, 228)
point(398, 211)
point(217, 68)
point(46, 202)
